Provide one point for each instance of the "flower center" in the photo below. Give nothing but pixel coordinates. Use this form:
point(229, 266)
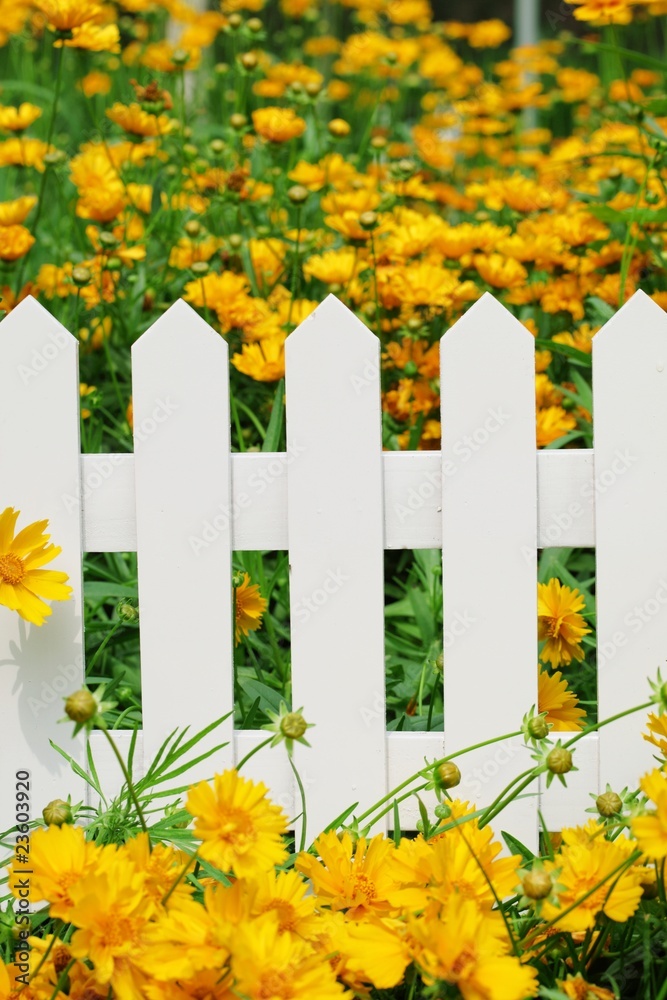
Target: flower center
point(276, 984)
point(12, 570)
point(364, 886)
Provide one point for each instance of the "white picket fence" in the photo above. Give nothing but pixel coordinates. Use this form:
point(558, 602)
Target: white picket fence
point(335, 500)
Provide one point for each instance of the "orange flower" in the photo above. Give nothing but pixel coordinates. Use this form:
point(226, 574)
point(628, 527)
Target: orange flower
point(278, 124)
point(63, 15)
point(133, 119)
point(13, 213)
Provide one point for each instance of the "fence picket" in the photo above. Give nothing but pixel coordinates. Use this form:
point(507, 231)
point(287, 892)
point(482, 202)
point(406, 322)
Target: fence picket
point(182, 468)
point(489, 535)
point(630, 364)
point(335, 522)
point(39, 463)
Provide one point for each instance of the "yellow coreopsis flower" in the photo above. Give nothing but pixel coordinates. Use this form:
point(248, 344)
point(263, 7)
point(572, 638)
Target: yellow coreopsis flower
point(24, 584)
point(278, 124)
point(268, 964)
point(249, 606)
point(239, 828)
point(63, 15)
point(15, 241)
point(657, 734)
point(555, 698)
point(13, 213)
point(17, 119)
point(134, 120)
point(588, 876)
point(470, 949)
point(560, 623)
point(603, 11)
point(354, 879)
point(263, 361)
point(651, 828)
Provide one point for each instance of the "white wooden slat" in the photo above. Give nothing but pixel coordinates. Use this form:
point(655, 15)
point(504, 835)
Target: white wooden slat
point(39, 468)
point(182, 447)
point(630, 363)
point(335, 520)
point(489, 545)
point(406, 752)
point(412, 501)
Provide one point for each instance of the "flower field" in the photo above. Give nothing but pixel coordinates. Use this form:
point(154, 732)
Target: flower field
point(252, 158)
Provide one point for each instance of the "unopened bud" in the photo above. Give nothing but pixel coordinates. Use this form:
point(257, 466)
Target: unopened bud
point(57, 812)
point(235, 20)
point(249, 61)
point(81, 275)
point(313, 88)
point(297, 194)
point(54, 158)
point(538, 727)
point(339, 128)
point(81, 706)
point(180, 57)
point(108, 240)
point(368, 220)
point(217, 146)
point(559, 760)
point(447, 775)
point(254, 25)
point(192, 228)
point(537, 884)
point(378, 142)
point(127, 612)
point(609, 804)
point(238, 121)
point(293, 725)
point(200, 268)
point(235, 241)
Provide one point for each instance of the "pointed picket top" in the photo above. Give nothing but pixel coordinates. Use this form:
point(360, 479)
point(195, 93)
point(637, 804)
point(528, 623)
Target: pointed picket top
point(40, 476)
point(630, 435)
point(485, 320)
point(180, 381)
point(489, 541)
point(333, 318)
point(336, 551)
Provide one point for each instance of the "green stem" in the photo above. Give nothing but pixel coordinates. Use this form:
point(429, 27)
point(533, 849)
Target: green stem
point(179, 877)
point(304, 811)
point(105, 642)
point(128, 780)
point(251, 753)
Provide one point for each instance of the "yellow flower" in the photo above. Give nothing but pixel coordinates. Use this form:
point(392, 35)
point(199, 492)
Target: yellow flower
point(271, 965)
point(60, 857)
point(604, 11)
point(13, 213)
point(470, 949)
point(63, 15)
point(488, 34)
point(553, 422)
point(576, 988)
point(651, 828)
point(23, 582)
point(134, 120)
point(335, 267)
point(560, 623)
point(588, 876)
point(560, 704)
point(657, 734)
point(95, 82)
point(358, 881)
point(278, 124)
point(263, 361)
point(287, 896)
point(499, 271)
point(249, 606)
point(23, 153)
point(18, 119)
point(94, 38)
point(15, 241)
point(239, 828)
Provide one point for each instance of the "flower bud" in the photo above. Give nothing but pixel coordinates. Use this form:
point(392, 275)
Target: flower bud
point(609, 804)
point(54, 158)
point(81, 275)
point(368, 220)
point(235, 241)
point(313, 88)
point(200, 268)
point(338, 128)
point(62, 956)
point(114, 264)
point(297, 194)
point(81, 706)
point(235, 20)
point(443, 810)
point(57, 812)
point(559, 760)
point(108, 240)
point(649, 888)
point(293, 725)
point(254, 25)
point(249, 61)
point(180, 57)
point(410, 369)
point(378, 142)
point(446, 775)
point(217, 146)
point(238, 121)
point(536, 884)
point(538, 727)
point(127, 612)
point(439, 662)
point(192, 228)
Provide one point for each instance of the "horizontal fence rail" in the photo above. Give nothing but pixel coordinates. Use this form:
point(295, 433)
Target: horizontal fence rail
point(489, 499)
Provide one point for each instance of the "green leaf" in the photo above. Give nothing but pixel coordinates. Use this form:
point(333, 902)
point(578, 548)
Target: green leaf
point(276, 421)
point(339, 820)
point(644, 216)
point(99, 590)
point(268, 697)
point(515, 846)
point(397, 824)
point(575, 355)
